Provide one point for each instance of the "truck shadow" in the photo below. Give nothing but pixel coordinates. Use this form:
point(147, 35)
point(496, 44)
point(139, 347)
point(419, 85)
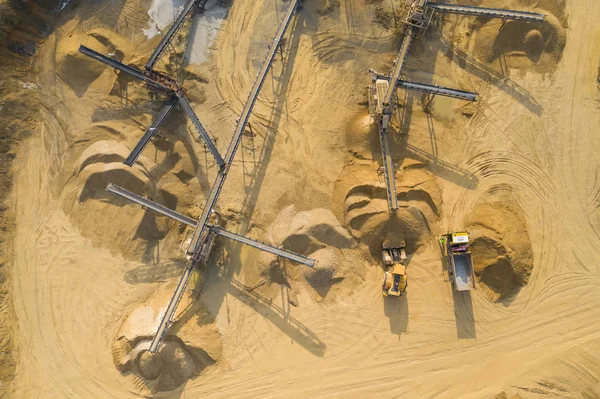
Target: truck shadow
point(396, 309)
point(463, 304)
point(463, 314)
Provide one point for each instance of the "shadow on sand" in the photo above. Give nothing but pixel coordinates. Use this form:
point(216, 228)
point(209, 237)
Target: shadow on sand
point(396, 309)
point(463, 305)
point(463, 314)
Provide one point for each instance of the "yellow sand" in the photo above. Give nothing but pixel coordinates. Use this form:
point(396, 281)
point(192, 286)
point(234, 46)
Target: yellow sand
point(83, 262)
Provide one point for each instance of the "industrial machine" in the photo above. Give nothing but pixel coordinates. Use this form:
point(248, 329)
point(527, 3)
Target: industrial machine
point(206, 228)
point(394, 261)
point(382, 91)
point(456, 248)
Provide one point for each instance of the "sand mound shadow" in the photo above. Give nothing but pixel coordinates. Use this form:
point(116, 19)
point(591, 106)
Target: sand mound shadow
point(541, 44)
point(319, 235)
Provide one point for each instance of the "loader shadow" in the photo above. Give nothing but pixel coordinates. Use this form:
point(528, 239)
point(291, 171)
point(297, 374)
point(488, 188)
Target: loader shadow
point(396, 309)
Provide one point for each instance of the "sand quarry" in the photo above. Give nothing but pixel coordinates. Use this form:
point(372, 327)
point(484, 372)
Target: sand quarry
point(89, 274)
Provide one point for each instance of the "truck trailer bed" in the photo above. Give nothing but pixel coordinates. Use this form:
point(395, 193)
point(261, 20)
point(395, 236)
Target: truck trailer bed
point(463, 271)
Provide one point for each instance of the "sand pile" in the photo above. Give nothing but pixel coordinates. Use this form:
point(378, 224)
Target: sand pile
point(196, 346)
point(333, 267)
point(305, 232)
point(329, 262)
point(502, 253)
point(80, 72)
point(91, 207)
point(318, 235)
point(367, 213)
point(526, 43)
point(96, 159)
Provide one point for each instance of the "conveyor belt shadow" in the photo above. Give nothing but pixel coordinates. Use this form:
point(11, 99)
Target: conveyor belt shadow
point(443, 169)
point(154, 272)
point(280, 317)
point(256, 177)
point(484, 72)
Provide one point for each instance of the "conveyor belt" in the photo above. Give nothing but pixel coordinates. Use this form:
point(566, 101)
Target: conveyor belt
point(433, 89)
point(187, 107)
point(202, 224)
point(263, 247)
point(410, 32)
point(171, 308)
point(388, 167)
point(214, 229)
point(152, 130)
point(163, 210)
point(120, 66)
point(237, 135)
point(172, 30)
point(487, 12)
point(437, 90)
point(183, 281)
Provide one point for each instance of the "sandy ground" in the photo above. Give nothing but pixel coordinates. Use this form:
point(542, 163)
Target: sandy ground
point(84, 262)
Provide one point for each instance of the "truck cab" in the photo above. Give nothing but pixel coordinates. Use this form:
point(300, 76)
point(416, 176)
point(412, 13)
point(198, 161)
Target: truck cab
point(459, 258)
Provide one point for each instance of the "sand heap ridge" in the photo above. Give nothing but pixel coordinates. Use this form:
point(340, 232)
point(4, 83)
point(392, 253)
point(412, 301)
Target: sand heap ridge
point(367, 214)
point(191, 345)
point(540, 44)
point(502, 253)
point(319, 235)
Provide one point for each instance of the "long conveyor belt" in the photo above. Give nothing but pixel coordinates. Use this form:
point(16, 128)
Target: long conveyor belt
point(388, 167)
point(172, 30)
point(120, 66)
point(187, 107)
point(163, 210)
point(432, 89)
point(171, 308)
point(410, 32)
point(237, 135)
point(263, 247)
point(487, 12)
point(437, 90)
point(152, 130)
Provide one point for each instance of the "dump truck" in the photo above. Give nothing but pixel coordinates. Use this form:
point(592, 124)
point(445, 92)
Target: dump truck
point(456, 248)
point(394, 262)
